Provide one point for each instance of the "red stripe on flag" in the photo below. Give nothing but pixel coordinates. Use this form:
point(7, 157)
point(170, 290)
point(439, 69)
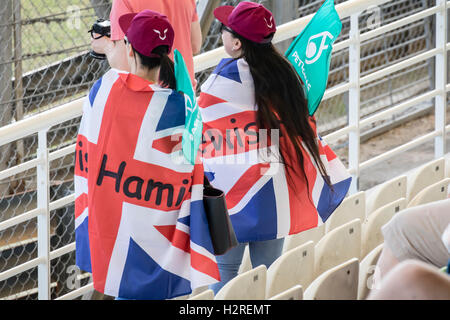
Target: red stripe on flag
point(206, 100)
point(178, 238)
point(240, 188)
point(81, 203)
point(329, 153)
point(303, 213)
point(119, 133)
point(204, 265)
point(168, 144)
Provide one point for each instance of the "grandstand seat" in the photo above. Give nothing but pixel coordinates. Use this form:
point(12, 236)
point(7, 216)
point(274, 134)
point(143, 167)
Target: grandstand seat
point(371, 227)
point(447, 167)
point(294, 267)
point(246, 263)
point(250, 285)
point(337, 246)
point(337, 283)
point(205, 295)
point(295, 240)
point(366, 267)
point(425, 176)
point(385, 193)
point(353, 207)
point(198, 290)
point(435, 192)
point(294, 293)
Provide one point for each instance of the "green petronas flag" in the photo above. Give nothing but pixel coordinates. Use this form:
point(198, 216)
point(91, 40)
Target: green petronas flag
point(310, 52)
point(192, 134)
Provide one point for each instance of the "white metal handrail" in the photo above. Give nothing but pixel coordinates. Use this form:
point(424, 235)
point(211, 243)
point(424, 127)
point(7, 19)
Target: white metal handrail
point(42, 122)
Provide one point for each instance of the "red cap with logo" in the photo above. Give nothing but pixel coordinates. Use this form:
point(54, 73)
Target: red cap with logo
point(147, 30)
point(248, 19)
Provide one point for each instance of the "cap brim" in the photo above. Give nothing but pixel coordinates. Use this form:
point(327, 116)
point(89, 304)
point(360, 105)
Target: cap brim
point(125, 21)
point(222, 13)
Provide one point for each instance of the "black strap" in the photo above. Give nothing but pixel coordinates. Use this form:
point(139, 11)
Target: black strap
point(206, 181)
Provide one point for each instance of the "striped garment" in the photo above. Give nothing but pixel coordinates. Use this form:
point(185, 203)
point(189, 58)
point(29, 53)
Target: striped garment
point(140, 223)
point(244, 162)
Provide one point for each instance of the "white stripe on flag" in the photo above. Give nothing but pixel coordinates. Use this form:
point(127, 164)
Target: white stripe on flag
point(138, 223)
point(227, 168)
point(232, 91)
point(249, 195)
point(81, 185)
point(197, 192)
point(281, 189)
point(147, 133)
point(225, 109)
point(79, 220)
point(93, 116)
point(340, 172)
point(202, 251)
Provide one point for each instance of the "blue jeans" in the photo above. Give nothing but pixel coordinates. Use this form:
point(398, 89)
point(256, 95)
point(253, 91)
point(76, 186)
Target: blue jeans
point(261, 252)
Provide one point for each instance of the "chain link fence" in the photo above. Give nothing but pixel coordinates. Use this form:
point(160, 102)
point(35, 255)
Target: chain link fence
point(44, 62)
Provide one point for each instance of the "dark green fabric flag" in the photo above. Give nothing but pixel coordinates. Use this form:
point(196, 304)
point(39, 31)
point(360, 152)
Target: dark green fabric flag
point(192, 134)
point(310, 52)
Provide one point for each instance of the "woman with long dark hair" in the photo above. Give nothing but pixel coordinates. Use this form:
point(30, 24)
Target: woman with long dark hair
point(139, 217)
point(254, 104)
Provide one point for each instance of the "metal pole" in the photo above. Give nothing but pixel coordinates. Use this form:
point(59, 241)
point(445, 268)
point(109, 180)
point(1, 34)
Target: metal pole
point(354, 102)
point(18, 72)
point(43, 220)
point(102, 8)
point(284, 11)
point(6, 95)
point(205, 10)
point(441, 78)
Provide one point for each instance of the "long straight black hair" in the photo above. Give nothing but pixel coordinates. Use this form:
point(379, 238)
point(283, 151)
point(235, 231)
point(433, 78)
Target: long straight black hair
point(281, 99)
point(167, 69)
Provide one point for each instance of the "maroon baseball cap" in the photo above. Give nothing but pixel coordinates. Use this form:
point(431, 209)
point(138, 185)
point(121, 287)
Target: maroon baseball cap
point(248, 19)
point(147, 30)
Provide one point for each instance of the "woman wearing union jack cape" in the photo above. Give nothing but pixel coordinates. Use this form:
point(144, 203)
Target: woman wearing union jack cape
point(140, 223)
point(260, 145)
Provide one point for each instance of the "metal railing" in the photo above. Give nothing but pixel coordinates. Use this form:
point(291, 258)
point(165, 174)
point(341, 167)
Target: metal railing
point(42, 122)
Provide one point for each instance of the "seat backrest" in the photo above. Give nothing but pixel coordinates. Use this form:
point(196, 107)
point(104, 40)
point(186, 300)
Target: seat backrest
point(337, 283)
point(425, 176)
point(385, 193)
point(371, 227)
point(337, 246)
point(198, 290)
point(367, 267)
point(246, 263)
point(435, 192)
point(205, 295)
point(293, 267)
point(447, 167)
point(352, 207)
point(295, 240)
point(294, 293)
point(250, 285)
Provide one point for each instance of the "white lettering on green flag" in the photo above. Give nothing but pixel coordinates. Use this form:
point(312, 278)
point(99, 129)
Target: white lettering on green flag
point(310, 52)
point(192, 134)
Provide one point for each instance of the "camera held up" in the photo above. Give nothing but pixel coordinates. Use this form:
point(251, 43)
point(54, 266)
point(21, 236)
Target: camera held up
point(103, 29)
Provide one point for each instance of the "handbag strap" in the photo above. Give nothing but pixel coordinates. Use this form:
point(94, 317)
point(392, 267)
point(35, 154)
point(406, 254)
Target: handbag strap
point(206, 181)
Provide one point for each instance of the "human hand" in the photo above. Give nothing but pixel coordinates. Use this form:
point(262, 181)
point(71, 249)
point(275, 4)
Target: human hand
point(101, 45)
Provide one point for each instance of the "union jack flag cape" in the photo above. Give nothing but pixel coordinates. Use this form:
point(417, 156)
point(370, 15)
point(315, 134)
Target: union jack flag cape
point(263, 205)
point(140, 224)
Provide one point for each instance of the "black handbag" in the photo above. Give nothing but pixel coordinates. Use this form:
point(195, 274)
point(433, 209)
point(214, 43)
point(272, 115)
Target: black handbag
point(220, 227)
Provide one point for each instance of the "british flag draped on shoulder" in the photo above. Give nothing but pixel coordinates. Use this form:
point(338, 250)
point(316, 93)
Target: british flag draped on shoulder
point(243, 162)
point(139, 217)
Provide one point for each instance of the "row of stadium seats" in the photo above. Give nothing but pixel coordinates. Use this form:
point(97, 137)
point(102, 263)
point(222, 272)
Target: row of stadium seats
point(334, 260)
